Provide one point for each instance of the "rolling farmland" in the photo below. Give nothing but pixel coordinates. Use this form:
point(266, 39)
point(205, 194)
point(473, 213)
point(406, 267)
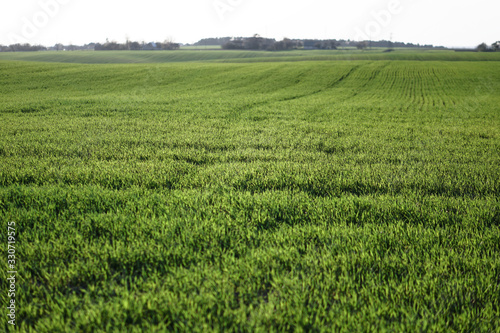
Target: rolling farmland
point(253, 191)
point(244, 56)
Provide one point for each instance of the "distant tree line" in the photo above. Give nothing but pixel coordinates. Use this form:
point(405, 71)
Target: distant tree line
point(260, 43)
point(22, 48)
point(130, 45)
point(255, 42)
point(32, 48)
point(391, 45)
point(213, 41)
point(483, 47)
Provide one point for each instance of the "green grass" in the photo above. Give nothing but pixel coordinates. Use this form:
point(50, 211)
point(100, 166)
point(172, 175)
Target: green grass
point(197, 55)
point(285, 196)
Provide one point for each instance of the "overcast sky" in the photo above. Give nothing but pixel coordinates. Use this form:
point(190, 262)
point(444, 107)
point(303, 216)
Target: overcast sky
point(438, 22)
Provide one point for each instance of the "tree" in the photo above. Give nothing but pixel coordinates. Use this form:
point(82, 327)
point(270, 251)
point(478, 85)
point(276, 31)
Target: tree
point(496, 46)
point(253, 43)
point(168, 45)
point(482, 47)
point(362, 45)
point(25, 48)
point(236, 44)
point(134, 46)
point(332, 44)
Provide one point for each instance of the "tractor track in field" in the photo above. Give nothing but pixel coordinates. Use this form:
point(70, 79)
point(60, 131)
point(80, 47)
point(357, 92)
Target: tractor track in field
point(286, 99)
point(330, 86)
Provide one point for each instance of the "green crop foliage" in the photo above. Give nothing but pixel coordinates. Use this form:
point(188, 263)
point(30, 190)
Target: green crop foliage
point(193, 55)
point(263, 196)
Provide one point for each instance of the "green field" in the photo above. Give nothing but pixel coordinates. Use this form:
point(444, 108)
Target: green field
point(194, 55)
point(201, 47)
point(353, 195)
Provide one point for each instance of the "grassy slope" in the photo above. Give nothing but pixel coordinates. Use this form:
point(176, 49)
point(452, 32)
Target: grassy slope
point(246, 56)
point(313, 195)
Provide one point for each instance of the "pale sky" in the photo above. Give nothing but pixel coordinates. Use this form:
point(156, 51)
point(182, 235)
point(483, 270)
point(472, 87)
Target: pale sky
point(438, 22)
